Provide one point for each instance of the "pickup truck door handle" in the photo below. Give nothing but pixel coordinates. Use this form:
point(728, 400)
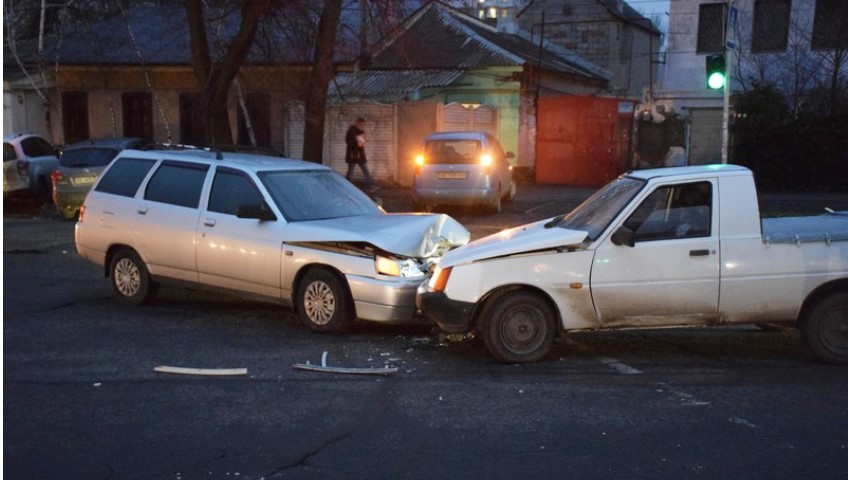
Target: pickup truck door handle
point(141, 210)
point(699, 253)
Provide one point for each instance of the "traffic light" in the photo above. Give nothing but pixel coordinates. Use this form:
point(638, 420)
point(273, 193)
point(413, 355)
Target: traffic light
point(716, 69)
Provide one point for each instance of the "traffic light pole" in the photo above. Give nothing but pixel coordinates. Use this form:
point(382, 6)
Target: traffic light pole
point(729, 47)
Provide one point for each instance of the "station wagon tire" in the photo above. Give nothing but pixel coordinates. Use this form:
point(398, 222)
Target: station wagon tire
point(825, 329)
point(323, 302)
point(518, 327)
point(130, 279)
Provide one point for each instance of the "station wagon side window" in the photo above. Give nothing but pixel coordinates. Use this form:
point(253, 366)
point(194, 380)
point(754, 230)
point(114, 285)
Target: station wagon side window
point(231, 189)
point(177, 183)
point(124, 176)
point(674, 211)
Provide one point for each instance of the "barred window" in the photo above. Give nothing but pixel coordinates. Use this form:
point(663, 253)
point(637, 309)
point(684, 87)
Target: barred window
point(771, 26)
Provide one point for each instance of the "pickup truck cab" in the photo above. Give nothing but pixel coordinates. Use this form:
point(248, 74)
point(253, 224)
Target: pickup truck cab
point(679, 246)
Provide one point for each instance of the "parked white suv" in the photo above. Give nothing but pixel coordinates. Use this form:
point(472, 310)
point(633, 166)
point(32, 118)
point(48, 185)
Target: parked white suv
point(286, 230)
point(36, 160)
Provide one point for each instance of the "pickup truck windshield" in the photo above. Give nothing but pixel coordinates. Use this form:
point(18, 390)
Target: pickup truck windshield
point(596, 213)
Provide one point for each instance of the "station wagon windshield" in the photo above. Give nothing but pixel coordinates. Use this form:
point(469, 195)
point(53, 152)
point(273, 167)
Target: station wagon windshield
point(316, 195)
point(596, 213)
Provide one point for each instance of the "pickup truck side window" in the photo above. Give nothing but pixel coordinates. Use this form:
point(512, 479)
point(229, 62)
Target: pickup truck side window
point(674, 211)
point(124, 176)
point(177, 183)
point(231, 189)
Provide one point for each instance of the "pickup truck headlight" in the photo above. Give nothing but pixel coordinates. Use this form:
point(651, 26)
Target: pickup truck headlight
point(398, 267)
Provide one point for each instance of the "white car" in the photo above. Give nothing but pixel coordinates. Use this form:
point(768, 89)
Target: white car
point(285, 230)
point(15, 174)
point(36, 161)
point(654, 248)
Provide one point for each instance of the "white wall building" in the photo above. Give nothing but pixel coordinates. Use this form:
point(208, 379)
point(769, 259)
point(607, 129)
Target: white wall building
point(791, 44)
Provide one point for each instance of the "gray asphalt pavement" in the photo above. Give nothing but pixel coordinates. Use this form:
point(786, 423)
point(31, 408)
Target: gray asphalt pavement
point(82, 400)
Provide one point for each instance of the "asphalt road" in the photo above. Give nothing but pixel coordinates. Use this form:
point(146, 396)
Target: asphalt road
point(82, 400)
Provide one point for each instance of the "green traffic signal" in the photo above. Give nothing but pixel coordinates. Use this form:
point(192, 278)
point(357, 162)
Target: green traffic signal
point(716, 68)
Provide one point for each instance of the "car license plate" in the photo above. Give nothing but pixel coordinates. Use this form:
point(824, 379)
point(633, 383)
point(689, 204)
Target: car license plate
point(452, 175)
point(84, 180)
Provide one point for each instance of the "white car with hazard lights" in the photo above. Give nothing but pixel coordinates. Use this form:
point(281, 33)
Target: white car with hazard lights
point(283, 230)
point(680, 246)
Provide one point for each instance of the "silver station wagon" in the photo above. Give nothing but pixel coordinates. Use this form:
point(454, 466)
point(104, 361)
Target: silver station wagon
point(289, 231)
point(462, 168)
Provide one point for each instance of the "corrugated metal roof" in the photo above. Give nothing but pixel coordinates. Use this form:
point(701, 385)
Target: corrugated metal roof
point(438, 36)
point(376, 82)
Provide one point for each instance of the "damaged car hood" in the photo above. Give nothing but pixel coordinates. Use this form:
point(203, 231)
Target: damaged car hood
point(408, 234)
point(523, 239)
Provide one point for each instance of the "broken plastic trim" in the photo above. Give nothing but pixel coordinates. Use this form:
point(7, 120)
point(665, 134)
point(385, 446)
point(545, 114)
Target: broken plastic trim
point(348, 370)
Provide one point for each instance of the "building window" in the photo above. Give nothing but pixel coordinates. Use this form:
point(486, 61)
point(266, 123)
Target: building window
point(192, 123)
point(75, 116)
point(771, 26)
point(830, 25)
point(259, 108)
point(711, 27)
point(138, 114)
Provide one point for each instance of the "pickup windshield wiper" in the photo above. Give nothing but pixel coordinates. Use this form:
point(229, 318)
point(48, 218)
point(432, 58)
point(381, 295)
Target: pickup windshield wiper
point(555, 221)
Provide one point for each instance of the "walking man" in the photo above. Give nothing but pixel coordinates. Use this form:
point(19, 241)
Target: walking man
point(355, 153)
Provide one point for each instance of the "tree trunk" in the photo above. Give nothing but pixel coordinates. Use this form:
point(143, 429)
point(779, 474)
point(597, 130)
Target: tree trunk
point(322, 74)
point(214, 79)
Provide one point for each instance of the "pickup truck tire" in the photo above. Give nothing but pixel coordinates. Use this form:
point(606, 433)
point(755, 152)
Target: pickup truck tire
point(825, 329)
point(322, 302)
point(130, 279)
point(519, 327)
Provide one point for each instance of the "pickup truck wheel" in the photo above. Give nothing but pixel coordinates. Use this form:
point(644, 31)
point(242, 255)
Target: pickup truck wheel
point(130, 279)
point(825, 329)
point(322, 302)
point(519, 328)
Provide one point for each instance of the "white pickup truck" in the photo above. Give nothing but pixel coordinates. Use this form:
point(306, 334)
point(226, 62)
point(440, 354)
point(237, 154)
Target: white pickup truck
point(666, 247)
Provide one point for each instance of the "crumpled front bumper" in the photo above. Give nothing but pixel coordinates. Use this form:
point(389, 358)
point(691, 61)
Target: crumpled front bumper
point(450, 315)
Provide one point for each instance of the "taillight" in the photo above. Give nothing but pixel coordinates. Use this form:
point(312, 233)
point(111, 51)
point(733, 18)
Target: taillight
point(23, 167)
point(486, 162)
point(419, 162)
point(81, 212)
point(56, 176)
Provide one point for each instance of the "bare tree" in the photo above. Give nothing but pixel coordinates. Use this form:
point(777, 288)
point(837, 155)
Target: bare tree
point(215, 76)
point(322, 74)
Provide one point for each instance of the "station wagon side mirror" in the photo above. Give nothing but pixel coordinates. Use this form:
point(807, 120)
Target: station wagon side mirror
point(260, 212)
point(623, 236)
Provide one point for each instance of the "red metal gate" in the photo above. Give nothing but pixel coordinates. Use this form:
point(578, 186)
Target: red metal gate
point(582, 141)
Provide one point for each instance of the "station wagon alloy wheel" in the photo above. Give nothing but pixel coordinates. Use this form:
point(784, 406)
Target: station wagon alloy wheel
point(322, 302)
point(131, 281)
point(319, 302)
point(127, 277)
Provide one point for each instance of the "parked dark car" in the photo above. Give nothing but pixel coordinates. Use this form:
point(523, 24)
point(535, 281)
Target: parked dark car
point(80, 165)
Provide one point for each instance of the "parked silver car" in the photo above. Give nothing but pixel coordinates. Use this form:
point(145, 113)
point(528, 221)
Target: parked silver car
point(37, 160)
point(462, 168)
point(285, 230)
point(79, 166)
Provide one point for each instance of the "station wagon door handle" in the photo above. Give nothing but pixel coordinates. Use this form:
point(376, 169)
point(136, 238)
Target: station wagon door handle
point(698, 253)
point(209, 222)
point(141, 210)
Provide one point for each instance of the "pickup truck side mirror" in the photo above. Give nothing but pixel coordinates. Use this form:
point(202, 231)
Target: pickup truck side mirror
point(623, 236)
point(260, 212)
